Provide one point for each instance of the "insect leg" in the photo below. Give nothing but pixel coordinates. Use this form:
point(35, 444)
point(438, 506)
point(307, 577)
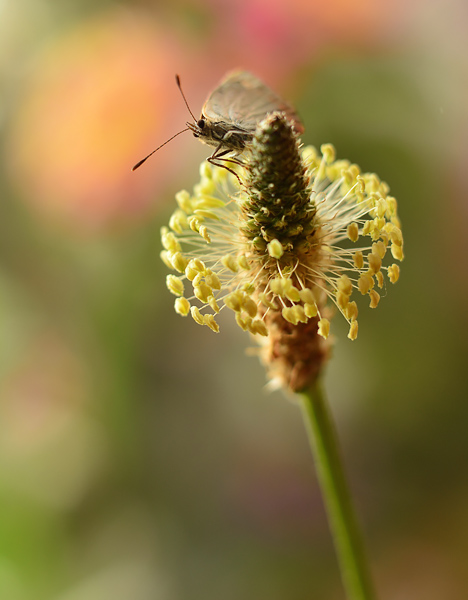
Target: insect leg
point(217, 159)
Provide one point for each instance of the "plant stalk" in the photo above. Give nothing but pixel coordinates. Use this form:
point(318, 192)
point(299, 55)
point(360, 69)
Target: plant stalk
point(343, 524)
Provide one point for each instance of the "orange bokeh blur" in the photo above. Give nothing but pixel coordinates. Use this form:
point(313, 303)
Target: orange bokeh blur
point(97, 101)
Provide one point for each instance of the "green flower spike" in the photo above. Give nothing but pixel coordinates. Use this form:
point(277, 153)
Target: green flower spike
point(295, 242)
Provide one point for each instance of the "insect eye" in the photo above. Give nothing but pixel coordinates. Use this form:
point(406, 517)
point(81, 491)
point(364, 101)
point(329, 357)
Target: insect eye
point(201, 123)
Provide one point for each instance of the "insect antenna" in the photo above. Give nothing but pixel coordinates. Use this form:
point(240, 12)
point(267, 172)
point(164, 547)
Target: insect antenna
point(140, 162)
point(179, 85)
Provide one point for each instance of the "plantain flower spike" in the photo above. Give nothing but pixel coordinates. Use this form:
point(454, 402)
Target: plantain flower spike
point(294, 237)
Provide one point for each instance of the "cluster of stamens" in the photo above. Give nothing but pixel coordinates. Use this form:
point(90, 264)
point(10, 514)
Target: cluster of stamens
point(290, 244)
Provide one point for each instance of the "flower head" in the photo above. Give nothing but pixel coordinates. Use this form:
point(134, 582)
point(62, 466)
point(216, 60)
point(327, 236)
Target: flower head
point(291, 240)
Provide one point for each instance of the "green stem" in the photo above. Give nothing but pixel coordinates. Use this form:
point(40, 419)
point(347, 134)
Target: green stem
point(324, 443)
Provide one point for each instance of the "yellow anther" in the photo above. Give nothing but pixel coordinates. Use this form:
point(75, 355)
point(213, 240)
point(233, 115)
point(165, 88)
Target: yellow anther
point(361, 184)
point(184, 201)
point(372, 203)
point(300, 314)
point(193, 223)
point(310, 310)
point(353, 330)
point(393, 273)
point(379, 223)
point(381, 207)
point(243, 262)
point(182, 306)
point(203, 231)
point(175, 285)
point(214, 305)
point(190, 272)
point(358, 259)
point(230, 263)
point(234, 301)
point(277, 286)
point(397, 252)
point(391, 206)
point(380, 279)
point(351, 311)
point(377, 226)
point(258, 327)
point(169, 242)
point(289, 315)
point(212, 280)
point(209, 320)
point(348, 176)
point(197, 316)
point(328, 152)
point(375, 263)
point(353, 232)
point(178, 221)
point(372, 182)
point(178, 261)
point(339, 169)
point(198, 265)
point(344, 285)
point(275, 249)
point(365, 283)
point(309, 154)
point(164, 254)
point(379, 249)
point(202, 291)
point(374, 298)
point(342, 300)
point(355, 170)
point(291, 292)
point(197, 279)
point(366, 230)
point(324, 328)
point(396, 235)
point(384, 238)
point(249, 306)
point(243, 322)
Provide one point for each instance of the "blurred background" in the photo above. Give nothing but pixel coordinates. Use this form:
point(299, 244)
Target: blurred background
point(140, 456)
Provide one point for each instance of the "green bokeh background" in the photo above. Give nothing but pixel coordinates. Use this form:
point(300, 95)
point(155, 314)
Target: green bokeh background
point(140, 456)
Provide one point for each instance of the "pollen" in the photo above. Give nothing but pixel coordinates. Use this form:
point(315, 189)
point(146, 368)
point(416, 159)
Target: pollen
point(275, 249)
point(182, 306)
point(353, 331)
point(374, 298)
point(175, 285)
point(358, 259)
point(353, 232)
point(324, 328)
point(393, 273)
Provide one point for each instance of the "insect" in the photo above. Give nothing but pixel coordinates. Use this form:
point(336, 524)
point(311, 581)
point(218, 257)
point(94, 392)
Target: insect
point(230, 116)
